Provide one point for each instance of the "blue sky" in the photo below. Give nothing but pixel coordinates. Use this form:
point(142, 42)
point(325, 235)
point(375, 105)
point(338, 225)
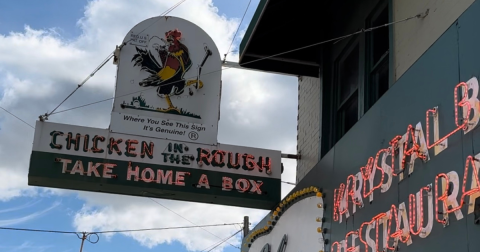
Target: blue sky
point(41, 15)
point(63, 16)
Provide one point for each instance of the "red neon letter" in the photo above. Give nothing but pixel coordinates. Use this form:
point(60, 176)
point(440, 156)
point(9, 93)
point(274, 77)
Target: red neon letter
point(464, 104)
point(146, 149)
point(415, 146)
point(399, 233)
point(368, 173)
point(164, 177)
point(337, 198)
point(151, 175)
point(339, 246)
point(113, 146)
point(353, 248)
point(351, 192)
point(131, 172)
point(412, 211)
point(469, 162)
point(227, 184)
point(130, 148)
point(242, 185)
point(95, 140)
point(180, 177)
point(249, 162)
point(219, 158)
point(265, 162)
point(376, 221)
point(204, 156)
point(393, 146)
point(256, 186)
point(203, 181)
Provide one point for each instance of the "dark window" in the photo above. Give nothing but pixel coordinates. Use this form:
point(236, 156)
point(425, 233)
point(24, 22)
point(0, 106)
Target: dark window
point(355, 72)
point(347, 76)
point(377, 48)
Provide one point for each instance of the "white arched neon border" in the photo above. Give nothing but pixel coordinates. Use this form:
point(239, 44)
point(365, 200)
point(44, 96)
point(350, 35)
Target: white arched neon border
point(296, 224)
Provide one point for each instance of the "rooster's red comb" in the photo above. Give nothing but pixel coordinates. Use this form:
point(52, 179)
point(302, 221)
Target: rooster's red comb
point(174, 33)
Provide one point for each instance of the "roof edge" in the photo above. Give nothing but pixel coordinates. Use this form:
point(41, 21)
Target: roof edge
point(252, 27)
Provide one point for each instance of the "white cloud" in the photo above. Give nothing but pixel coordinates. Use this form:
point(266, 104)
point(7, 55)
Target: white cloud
point(23, 219)
point(17, 208)
point(39, 68)
point(142, 213)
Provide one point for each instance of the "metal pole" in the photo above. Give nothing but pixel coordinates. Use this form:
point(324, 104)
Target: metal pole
point(246, 225)
point(83, 240)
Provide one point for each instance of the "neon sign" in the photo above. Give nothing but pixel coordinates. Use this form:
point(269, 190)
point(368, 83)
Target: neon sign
point(91, 159)
point(284, 229)
point(281, 247)
point(405, 149)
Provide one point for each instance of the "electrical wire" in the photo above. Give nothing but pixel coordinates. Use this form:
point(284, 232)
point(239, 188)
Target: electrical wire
point(166, 228)
point(17, 117)
point(161, 15)
point(110, 56)
point(172, 8)
point(256, 60)
point(334, 39)
point(38, 230)
point(226, 68)
point(224, 240)
point(215, 245)
point(80, 85)
point(87, 236)
point(115, 231)
point(290, 183)
point(160, 204)
point(238, 28)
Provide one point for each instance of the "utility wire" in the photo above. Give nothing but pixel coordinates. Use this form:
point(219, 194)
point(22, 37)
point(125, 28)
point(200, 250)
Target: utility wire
point(38, 230)
point(335, 39)
point(161, 15)
point(160, 204)
point(256, 60)
point(238, 28)
point(290, 183)
point(212, 247)
point(17, 117)
point(166, 228)
point(110, 56)
point(80, 85)
point(115, 231)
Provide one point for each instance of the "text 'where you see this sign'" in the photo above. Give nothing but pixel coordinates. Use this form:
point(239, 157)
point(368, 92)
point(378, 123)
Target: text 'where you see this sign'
point(168, 82)
point(162, 140)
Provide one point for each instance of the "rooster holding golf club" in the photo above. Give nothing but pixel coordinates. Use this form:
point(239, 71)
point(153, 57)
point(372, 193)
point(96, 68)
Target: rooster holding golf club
point(168, 75)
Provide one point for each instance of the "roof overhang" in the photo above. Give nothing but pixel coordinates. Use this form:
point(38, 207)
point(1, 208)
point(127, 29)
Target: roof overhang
point(277, 30)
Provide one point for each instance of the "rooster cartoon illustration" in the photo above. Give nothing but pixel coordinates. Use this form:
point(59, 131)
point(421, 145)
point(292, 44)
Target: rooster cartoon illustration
point(168, 74)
